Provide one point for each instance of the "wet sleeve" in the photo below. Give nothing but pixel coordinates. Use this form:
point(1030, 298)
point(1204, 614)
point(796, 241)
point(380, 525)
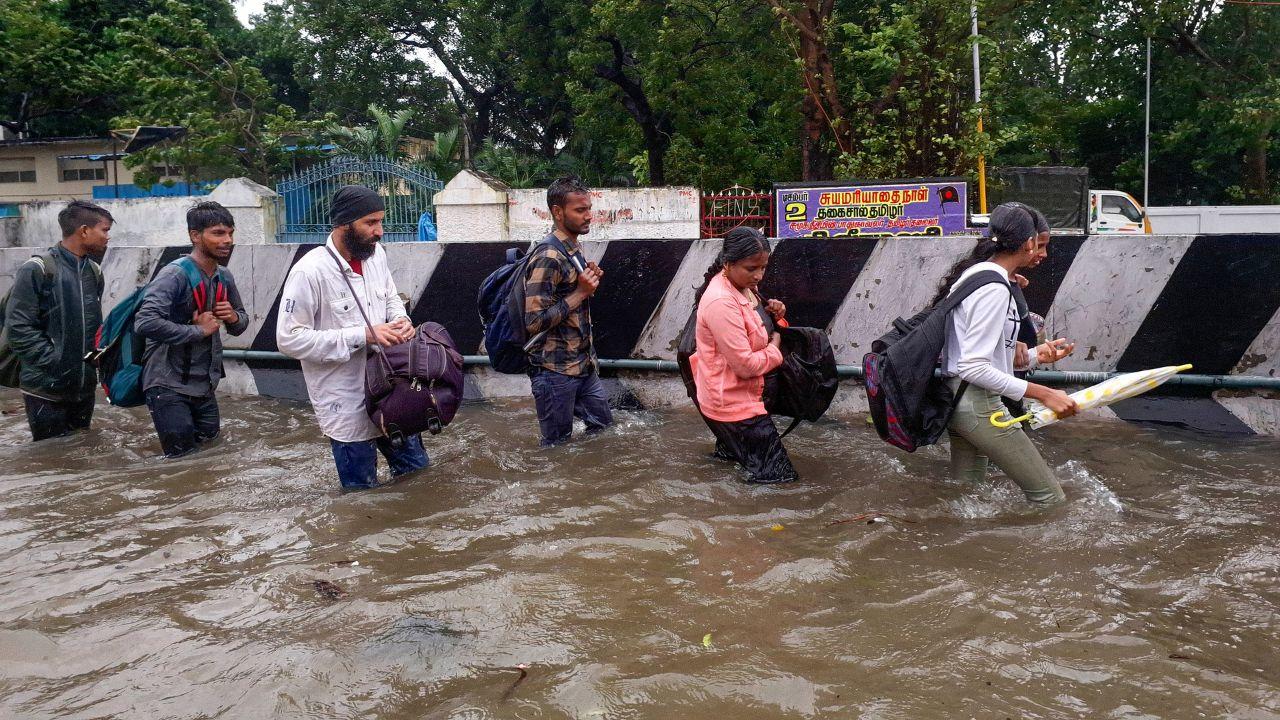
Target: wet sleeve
point(542, 311)
point(296, 333)
point(728, 327)
point(980, 323)
point(27, 336)
point(152, 321)
point(242, 318)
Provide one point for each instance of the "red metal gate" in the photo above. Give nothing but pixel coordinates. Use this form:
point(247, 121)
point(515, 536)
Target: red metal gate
point(735, 207)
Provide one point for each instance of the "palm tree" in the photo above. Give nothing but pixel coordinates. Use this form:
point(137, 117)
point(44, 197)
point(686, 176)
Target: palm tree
point(380, 139)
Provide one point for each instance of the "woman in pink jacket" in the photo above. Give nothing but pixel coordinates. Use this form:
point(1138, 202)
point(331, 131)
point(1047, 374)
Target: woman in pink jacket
point(737, 347)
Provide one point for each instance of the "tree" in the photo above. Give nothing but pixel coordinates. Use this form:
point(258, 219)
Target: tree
point(181, 76)
point(380, 139)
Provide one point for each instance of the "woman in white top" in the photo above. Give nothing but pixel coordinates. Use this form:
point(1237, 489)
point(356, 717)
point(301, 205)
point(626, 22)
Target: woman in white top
point(982, 335)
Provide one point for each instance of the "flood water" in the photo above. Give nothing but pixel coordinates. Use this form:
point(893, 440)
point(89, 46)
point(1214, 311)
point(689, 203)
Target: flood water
point(633, 576)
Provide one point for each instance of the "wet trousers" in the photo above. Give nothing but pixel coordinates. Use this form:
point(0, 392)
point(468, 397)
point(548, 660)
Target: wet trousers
point(975, 443)
point(754, 443)
point(55, 418)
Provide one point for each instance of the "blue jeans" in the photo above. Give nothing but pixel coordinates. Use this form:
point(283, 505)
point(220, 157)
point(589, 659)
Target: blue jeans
point(559, 398)
point(183, 422)
point(358, 461)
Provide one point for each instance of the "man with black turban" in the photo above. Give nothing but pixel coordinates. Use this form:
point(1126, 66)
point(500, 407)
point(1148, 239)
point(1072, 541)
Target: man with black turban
point(321, 325)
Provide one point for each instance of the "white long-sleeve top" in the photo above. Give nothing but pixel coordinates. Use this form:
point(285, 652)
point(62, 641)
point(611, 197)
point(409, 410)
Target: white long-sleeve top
point(320, 325)
point(982, 335)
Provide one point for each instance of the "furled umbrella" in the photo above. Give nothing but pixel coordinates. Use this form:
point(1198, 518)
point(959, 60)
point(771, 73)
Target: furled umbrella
point(1114, 389)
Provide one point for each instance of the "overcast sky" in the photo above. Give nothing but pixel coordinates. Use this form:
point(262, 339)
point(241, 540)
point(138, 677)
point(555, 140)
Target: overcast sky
point(245, 8)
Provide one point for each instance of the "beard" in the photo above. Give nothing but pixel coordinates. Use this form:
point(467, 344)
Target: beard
point(360, 246)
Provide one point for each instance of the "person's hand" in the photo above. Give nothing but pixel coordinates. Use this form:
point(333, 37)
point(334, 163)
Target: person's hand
point(1021, 279)
point(776, 340)
point(1021, 357)
point(386, 334)
point(1054, 350)
point(404, 327)
point(224, 312)
point(776, 309)
point(1060, 403)
point(589, 280)
point(207, 323)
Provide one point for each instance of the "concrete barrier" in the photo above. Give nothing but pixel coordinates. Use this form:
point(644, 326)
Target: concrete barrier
point(1130, 302)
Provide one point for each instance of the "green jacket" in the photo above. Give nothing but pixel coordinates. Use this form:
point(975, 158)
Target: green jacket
point(52, 320)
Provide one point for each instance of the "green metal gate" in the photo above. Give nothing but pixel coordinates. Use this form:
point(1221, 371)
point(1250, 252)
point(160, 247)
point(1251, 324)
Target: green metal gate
point(408, 192)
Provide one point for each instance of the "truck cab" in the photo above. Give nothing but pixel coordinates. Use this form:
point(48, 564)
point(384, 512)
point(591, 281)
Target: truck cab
point(1112, 211)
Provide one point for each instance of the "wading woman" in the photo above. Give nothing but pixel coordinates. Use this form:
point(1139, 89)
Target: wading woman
point(737, 345)
point(982, 336)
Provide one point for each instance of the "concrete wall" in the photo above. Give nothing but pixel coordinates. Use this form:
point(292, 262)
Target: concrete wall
point(10, 232)
point(158, 221)
point(472, 208)
point(1130, 303)
point(1200, 219)
point(619, 214)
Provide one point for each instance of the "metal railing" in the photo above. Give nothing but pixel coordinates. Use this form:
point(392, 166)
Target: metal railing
point(408, 191)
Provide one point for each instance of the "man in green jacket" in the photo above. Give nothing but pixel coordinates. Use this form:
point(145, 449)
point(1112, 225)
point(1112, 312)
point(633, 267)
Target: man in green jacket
point(54, 311)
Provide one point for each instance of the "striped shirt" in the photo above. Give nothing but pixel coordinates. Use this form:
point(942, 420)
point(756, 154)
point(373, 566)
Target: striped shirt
point(566, 347)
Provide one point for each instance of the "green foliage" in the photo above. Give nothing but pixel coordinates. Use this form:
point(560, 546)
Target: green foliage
point(182, 76)
point(379, 139)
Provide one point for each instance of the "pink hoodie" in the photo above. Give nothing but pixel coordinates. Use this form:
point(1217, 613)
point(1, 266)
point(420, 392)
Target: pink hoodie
point(733, 354)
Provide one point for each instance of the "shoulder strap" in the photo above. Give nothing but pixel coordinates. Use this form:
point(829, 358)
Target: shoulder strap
point(969, 286)
point(795, 422)
point(343, 272)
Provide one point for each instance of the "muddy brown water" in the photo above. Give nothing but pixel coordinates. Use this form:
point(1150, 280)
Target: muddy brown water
point(633, 576)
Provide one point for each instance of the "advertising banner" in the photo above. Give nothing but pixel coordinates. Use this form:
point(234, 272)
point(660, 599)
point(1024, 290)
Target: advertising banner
point(929, 207)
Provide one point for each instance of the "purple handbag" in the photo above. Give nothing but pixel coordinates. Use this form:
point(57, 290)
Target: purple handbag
point(413, 386)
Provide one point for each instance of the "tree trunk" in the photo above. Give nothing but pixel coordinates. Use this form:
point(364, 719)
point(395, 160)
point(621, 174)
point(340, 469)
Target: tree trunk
point(656, 128)
point(1257, 188)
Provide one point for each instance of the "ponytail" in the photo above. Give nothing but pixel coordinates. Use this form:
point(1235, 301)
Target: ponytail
point(740, 243)
point(1012, 224)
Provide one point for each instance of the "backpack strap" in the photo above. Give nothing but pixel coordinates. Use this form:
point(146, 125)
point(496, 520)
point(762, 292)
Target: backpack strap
point(795, 422)
point(971, 285)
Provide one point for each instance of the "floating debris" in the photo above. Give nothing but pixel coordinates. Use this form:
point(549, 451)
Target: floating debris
point(329, 589)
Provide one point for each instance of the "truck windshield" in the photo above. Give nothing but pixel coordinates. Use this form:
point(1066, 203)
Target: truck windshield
point(1122, 206)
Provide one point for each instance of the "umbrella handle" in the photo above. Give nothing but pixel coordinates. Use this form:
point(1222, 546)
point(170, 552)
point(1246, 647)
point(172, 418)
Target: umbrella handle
point(995, 419)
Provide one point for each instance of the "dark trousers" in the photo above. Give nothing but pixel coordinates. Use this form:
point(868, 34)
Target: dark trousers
point(754, 443)
point(55, 418)
point(559, 398)
point(183, 422)
point(358, 461)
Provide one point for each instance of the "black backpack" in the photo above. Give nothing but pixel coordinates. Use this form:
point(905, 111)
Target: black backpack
point(801, 388)
point(910, 404)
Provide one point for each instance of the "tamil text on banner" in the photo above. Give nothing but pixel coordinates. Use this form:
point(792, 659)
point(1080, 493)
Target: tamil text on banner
point(935, 206)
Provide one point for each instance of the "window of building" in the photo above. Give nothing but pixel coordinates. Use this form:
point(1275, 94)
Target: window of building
point(80, 169)
point(18, 170)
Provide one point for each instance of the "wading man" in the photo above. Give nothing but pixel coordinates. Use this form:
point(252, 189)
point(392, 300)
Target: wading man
point(54, 311)
point(322, 324)
point(557, 316)
point(185, 307)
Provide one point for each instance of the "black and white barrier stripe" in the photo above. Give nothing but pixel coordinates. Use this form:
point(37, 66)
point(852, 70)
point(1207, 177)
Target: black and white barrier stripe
point(1130, 302)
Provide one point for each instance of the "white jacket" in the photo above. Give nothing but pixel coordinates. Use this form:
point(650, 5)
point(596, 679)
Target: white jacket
point(320, 325)
point(982, 334)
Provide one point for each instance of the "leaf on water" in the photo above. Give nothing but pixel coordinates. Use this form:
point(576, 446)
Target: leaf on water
point(706, 640)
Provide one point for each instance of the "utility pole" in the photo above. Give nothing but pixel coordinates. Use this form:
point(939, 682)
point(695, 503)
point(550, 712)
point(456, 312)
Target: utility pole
point(1146, 140)
point(977, 100)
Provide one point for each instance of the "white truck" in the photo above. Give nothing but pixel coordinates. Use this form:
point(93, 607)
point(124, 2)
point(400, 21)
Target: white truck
point(1110, 212)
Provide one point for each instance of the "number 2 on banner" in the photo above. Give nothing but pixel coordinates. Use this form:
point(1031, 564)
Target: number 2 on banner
point(795, 212)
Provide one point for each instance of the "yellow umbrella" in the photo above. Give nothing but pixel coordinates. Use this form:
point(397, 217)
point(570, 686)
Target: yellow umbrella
point(1104, 393)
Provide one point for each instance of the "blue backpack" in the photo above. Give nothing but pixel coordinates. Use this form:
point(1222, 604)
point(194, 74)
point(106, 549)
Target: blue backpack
point(121, 352)
point(501, 303)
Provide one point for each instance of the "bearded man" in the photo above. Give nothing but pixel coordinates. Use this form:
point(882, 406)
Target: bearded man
point(320, 323)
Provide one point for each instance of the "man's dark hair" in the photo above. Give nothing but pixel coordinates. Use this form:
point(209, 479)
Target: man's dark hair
point(208, 214)
point(78, 213)
point(562, 188)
